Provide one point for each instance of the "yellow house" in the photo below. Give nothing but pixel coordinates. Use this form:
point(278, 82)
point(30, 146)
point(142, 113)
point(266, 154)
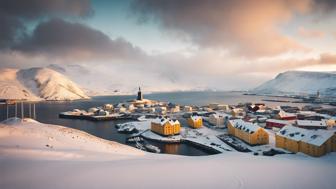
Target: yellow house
point(166, 126)
point(248, 132)
point(315, 143)
point(195, 122)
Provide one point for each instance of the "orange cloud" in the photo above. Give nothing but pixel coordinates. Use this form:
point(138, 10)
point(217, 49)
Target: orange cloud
point(249, 28)
point(310, 33)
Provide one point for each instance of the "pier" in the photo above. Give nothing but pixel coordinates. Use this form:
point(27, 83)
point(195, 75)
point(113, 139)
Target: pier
point(19, 108)
point(112, 117)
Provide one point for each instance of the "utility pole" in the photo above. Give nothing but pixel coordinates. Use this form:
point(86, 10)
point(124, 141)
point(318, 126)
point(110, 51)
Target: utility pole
point(34, 112)
point(22, 113)
point(7, 110)
point(15, 109)
point(30, 116)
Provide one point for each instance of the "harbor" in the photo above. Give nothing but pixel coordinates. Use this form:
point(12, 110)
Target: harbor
point(122, 120)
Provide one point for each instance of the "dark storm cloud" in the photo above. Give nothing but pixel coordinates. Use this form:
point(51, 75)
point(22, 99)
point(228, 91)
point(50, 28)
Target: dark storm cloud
point(54, 34)
point(60, 37)
point(14, 13)
point(326, 6)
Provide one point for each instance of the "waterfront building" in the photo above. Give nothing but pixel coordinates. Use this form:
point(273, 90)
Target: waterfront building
point(195, 122)
point(238, 112)
point(166, 126)
point(93, 110)
point(108, 107)
point(285, 115)
point(174, 109)
point(312, 124)
point(187, 109)
point(160, 110)
point(219, 119)
point(131, 107)
point(216, 106)
point(248, 132)
point(314, 143)
point(120, 110)
point(270, 123)
point(101, 112)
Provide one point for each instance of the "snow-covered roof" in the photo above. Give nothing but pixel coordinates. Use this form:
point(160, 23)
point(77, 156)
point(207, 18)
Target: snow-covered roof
point(286, 114)
point(244, 126)
point(195, 118)
point(278, 121)
point(315, 137)
point(311, 123)
point(220, 114)
point(291, 132)
point(163, 121)
point(318, 137)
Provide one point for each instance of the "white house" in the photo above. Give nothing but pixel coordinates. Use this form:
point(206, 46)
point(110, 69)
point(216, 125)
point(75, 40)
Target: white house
point(312, 124)
point(108, 107)
point(219, 119)
point(175, 109)
point(161, 110)
point(187, 109)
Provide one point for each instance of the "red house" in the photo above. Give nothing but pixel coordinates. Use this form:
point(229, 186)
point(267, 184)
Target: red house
point(276, 123)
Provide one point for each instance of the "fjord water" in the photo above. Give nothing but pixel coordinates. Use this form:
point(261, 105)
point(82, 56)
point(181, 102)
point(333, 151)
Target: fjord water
point(47, 112)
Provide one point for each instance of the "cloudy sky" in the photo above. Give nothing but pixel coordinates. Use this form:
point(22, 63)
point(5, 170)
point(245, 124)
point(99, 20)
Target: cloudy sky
point(169, 45)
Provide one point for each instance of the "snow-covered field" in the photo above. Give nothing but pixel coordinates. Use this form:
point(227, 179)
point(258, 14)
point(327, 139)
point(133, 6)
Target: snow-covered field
point(35, 155)
point(38, 84)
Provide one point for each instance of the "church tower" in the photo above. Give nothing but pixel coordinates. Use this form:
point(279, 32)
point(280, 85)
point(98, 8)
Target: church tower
point(139, 97)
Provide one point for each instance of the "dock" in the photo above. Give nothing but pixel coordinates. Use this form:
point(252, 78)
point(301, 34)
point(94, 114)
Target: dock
point(112, 117)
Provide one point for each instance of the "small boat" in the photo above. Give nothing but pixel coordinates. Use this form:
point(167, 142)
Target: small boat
point(151, 148)
point(134, 139)
point(140, 146)
point(128, 129)
point(142, 118)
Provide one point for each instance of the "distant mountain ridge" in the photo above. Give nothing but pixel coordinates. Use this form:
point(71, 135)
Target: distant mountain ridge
point(300, 82)
point(38, 84)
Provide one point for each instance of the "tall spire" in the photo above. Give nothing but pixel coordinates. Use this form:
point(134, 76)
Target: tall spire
point(139, 97)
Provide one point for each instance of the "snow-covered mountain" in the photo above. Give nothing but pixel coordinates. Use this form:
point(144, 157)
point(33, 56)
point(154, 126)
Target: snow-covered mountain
point(300, 82)
point(120, 80)
point(38, 84)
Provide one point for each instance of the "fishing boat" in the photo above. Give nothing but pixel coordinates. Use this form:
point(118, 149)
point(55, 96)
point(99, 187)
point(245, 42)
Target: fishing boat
point(142, 118)
point(128, 129)
point(152, 148)
point(140, 146)
point(134, 139)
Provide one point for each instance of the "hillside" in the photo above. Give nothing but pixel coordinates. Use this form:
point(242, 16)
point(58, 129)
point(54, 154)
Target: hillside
point(34, 155)
point(300, 82)
point(38, 84)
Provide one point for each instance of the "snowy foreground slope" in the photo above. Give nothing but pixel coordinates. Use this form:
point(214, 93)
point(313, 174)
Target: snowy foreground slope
point(299, 82)
point(37, 84)
point(35, 155)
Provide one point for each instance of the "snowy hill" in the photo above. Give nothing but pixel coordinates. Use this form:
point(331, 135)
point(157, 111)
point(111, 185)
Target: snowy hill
point(38, 84)
point(29, 138)
point(300, 82)
point(40, 156)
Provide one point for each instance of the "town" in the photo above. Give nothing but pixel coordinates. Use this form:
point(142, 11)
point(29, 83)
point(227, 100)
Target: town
point(246, 127)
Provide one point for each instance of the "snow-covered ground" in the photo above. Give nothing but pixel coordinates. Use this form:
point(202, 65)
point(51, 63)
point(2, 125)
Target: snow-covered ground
point(75, 159)
point(202, 136)
point(38, 84)
point(29, 138)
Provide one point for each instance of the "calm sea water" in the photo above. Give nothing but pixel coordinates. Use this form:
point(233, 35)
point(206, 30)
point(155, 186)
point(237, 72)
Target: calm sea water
point(47, 112)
